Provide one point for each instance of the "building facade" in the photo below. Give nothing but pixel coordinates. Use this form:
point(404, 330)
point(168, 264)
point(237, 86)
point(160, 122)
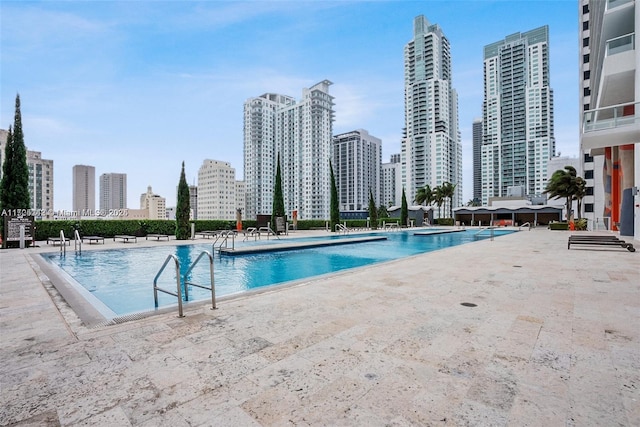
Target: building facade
point(518, 131)
point(113, 192)
point(299, 133)
point(155, 204)
point(431, 147)
point(477, 160)
point(356, 167)
point(84, 189)
point(391, 182)
point(216, 190)
point(610, 113)
point(193, 201)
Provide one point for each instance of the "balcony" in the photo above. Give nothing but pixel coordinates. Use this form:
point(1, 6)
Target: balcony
point(611, 126)
point(620, 44)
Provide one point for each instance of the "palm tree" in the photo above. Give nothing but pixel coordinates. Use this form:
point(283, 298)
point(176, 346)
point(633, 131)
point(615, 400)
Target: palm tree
point(424, 195)
point(438, 198)
point(448, 192)
point(580, 192)
point(562, 184)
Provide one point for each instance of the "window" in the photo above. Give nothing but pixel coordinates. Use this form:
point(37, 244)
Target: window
point(588, 158)
point(585, 42)
point(587, 91)
point(585, 58)
point(585, 107)
point(588, 174)
point(586, 75)
point(588, 207)
point(585, 9)
point(585, 25)
point(589, 191)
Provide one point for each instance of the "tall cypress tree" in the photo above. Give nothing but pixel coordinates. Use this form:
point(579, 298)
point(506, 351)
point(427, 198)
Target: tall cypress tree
point(15, 173)
point(404, 210)
point(334, 208)
point(278, 198)
point(183, 208)
point(373, 213)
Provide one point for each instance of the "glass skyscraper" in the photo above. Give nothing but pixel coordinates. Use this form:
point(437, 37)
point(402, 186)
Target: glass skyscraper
point(518, 138)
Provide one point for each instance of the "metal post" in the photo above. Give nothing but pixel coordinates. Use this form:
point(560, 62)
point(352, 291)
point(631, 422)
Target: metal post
point(22, 237)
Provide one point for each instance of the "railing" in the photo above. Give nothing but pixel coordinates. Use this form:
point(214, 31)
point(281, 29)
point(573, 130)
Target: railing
point(224, 235)
point(620, 44)
point(526, 224)
point(341, 228)
point(183, 283)
point(63, 244)
point(178, 287)
point(490, 228)
point(611, 4)
point(610, 117)
point(211, 282)
point(77, 242)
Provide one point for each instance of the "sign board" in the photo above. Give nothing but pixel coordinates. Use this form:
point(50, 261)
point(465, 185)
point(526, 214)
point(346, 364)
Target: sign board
point(12, 228)
point(280, 224)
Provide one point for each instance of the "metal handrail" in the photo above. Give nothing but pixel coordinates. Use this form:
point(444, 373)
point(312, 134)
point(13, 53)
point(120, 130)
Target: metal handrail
point(77, 242)
point(178, 287)
point(528, 224)
point(490, 228)
point(63, 244)
point(341, 227)
point(211, 286)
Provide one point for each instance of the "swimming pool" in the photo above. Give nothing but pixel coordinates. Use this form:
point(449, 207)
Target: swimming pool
point(119, 282)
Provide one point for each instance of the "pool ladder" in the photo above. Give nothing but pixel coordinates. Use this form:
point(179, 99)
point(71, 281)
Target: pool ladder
point(182, 283)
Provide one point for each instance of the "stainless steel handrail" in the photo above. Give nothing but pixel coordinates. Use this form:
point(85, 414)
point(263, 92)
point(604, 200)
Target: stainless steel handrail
point(63, 244)
point(211, 286)
point(77, 242)
point(178, 287)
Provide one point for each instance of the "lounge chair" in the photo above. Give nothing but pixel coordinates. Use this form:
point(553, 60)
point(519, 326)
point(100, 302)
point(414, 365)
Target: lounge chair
point(599, 241)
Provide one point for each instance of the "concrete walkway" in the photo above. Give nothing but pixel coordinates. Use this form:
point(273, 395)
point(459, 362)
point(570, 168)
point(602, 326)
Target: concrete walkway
point(554, 340)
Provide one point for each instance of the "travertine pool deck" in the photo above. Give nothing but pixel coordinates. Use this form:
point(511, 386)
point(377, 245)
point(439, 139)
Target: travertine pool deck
point(554, 340)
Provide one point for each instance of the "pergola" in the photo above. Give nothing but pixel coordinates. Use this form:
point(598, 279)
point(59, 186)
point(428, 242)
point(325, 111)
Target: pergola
point(502, 215)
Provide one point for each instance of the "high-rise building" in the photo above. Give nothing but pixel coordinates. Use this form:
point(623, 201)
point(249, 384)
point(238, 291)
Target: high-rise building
point(84, 189)
point(193, 201)
point(477, 160)
point(155, 204)
point(431, 148)
point(518, 138)
point(391, 182)
point(300, 134)
point(113, 192)
point(216, 190)
point(610, 113)
point(40, 180)
point(356, 167)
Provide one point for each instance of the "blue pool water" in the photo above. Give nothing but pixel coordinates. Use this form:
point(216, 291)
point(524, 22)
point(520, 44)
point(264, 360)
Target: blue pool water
point(122, 279)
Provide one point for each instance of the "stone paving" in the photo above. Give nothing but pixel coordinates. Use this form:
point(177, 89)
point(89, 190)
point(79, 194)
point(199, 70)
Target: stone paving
point(554, 339)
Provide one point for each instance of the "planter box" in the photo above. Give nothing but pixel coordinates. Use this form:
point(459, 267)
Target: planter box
point(559, 226)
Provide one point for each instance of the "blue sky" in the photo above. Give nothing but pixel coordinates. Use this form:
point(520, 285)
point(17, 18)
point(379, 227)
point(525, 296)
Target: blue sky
point(137, 87)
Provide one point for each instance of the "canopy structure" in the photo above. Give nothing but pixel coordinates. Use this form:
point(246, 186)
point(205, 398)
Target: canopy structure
point(502, 215)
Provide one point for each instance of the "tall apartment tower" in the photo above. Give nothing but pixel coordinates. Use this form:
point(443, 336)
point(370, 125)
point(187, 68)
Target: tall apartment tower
point(155, 204)
point(431, 148)
point(356, 166)
point(477, 160)
point(391, 182)
point(216, 190)
point(84, 189)
point(610, 113)
point(113, 191)
point(300, 134)
point(517, 114)
point(40, 180)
